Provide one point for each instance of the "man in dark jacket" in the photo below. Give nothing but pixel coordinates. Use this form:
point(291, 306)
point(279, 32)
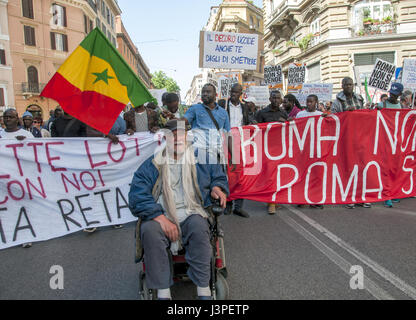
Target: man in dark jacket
point(170, 193)
point(272, 113)
point(239, 114)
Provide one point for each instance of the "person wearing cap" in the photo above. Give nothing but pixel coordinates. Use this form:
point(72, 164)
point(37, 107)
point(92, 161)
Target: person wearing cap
point(170, 194)
point(393, 101)
point(28, 125)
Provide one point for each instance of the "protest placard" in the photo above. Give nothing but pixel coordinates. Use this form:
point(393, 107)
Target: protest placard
point(226, 50)
point(296, 76)
point(409, 74)
point(273, 76)
point(226, 81)
point(322, 90)
point(261, 93)
point(382, 75)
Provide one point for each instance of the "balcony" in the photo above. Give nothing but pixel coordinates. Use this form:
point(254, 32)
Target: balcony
point(371, 28)
point(31, 88)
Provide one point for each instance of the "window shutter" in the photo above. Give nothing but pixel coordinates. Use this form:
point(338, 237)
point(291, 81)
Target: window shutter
point(27, 35)
point(65, 41)
point(2, 57)
point(2, 97)
point(31, 16)
point(25, 8)
point(53, 41)
point(32, 36)
point(85, 24)
point(64, 13)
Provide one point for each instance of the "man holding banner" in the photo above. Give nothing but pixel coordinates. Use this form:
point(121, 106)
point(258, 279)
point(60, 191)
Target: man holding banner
point(272, 113)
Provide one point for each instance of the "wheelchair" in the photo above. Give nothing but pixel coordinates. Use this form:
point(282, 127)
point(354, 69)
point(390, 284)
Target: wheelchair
point(179, 266)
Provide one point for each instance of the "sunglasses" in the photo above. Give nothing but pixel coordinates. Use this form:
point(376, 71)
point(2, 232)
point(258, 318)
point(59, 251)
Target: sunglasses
point(37, 122)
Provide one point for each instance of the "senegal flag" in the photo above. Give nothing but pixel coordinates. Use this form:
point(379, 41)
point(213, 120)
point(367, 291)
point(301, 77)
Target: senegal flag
point(95, 83)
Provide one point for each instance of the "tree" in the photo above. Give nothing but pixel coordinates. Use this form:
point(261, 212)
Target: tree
point(160, 80)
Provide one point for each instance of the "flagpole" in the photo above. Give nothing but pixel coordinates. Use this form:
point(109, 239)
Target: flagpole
point(375, 92)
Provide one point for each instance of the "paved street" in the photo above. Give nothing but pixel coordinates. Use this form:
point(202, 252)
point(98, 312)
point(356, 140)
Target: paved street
point(296, 254)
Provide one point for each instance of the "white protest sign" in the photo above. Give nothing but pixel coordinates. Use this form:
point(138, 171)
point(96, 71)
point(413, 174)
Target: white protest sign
point(409, 74)
point(382, 75)
point(157, 94)
point(273, 75)
point(53, 187)
point(226, 50)
point(261, 93)
point(322, 90)
point(296, 76)
point(225, 82)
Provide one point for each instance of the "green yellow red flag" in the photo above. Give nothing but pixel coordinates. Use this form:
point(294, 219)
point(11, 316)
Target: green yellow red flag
point(95, 83)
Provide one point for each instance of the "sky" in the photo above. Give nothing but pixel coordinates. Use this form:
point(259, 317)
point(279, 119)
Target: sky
point(166, 33)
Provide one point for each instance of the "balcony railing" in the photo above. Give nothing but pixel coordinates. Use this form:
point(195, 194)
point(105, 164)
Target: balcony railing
point(373, 29)
point(32, 88)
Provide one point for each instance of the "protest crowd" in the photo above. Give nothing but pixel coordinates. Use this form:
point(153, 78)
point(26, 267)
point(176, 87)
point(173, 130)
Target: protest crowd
point(174, 191)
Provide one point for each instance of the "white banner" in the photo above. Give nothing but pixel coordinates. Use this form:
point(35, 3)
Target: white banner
point(53, 187)
point(322, 90)
point(382, 75)
point(409, 74)
point(226, 50)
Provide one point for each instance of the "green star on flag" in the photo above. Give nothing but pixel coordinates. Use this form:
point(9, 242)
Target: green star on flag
point(102, 76)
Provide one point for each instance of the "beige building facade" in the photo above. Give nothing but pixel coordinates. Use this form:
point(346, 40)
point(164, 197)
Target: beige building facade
point(337, 38)
point(6, 75)
point(43, 33)
point(240, 16)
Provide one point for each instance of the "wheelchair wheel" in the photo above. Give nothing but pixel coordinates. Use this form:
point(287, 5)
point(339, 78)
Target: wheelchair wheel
point(221, 287)
point(144, 292)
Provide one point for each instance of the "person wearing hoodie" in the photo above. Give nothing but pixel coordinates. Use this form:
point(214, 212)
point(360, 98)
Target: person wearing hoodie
point(347, 100)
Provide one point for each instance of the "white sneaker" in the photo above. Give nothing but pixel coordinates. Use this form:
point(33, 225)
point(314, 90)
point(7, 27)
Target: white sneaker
point(27, 245)
point(90, 230)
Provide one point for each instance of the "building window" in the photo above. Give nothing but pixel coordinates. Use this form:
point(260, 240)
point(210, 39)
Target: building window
point(32, 79)
point(2, 98)
point(88, 24)
point(30, 39)
point(59, 15)
point(98, 23)
point(371, 11)
point(112, 21)
point(102, 8)
point(108, 15)
point(315, 30)
point(27, 8)
point(271, 6)
point(314, 73)
point(104, 29)
point(364, 63)
point(2, 57)
point(59, 41)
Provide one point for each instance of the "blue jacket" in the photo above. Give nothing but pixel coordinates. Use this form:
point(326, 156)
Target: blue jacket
point(146, 188)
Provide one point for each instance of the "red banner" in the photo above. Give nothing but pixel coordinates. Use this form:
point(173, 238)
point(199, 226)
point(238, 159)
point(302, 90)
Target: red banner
point(350, 157)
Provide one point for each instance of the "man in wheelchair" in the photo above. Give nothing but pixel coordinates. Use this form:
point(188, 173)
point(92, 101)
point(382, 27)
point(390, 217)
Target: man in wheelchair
point(171, 194)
